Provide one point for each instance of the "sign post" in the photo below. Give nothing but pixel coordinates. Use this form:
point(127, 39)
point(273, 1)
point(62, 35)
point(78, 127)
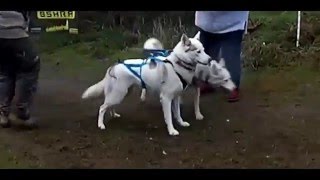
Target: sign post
point(298, 28)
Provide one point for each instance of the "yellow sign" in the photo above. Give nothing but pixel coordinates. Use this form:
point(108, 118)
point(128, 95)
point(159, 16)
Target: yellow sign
point(56, 14)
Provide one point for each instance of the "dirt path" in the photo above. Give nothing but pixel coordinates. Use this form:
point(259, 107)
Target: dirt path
point(261, 131)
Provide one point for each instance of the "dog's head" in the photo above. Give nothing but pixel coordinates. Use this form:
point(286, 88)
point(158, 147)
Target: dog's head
point(191, 51)
point(220, 75)
point(215, 74)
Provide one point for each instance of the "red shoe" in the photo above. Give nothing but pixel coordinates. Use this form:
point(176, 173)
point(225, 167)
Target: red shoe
point(234, 96)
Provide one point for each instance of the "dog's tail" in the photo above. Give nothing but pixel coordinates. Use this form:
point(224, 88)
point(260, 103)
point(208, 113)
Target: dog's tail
point(152, 44)
point(97, 89)
point(94, 90)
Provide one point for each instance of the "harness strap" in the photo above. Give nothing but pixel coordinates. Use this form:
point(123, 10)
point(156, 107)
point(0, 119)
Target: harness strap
point(154, 59)
point(129, 66)
point(163, 53)
point(184, 82)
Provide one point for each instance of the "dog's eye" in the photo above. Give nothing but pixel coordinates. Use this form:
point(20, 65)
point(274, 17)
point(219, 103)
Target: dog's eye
point(226, 80)
point(199, 51)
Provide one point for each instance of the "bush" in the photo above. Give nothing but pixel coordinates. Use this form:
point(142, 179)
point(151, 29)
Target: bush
point(272, 45)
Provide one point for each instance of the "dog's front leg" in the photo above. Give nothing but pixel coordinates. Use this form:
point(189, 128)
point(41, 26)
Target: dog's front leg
point(143, 94)
point(166, 107)
point(197, 112)
point(177, 114)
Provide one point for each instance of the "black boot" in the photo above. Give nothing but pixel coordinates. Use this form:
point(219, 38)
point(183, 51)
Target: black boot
point(4, 121)
point(24, 115)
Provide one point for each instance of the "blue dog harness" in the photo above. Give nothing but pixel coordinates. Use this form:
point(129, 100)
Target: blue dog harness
point(154, 56)
point(156, 52)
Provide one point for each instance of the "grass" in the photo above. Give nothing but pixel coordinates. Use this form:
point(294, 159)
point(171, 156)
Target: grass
point(74, 63)
point(275, 25)
point(281, 88)
point(274, 80)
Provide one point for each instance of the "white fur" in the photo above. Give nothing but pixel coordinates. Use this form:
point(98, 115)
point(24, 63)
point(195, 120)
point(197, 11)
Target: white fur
point(152, 43)
point(216, 72)
point(94, 90)
point(118, 79)
point(197, 36)
point(216, 75)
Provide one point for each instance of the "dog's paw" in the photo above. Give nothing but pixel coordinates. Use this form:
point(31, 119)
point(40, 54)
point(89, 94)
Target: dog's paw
point(143, 95)
point(173, 132)
point(113, 114)
point(184, 124)
point(116, 115)
point(199, 116)
point(102, 126)
point(142, 98)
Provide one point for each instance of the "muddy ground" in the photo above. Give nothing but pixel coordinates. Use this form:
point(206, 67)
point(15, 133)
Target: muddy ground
point(275, 125)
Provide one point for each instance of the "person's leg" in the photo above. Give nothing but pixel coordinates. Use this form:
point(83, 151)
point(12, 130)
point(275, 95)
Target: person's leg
point(231, 45)
point(27, 78)
point(7, 87)
point(211, 43)
point(7, 82)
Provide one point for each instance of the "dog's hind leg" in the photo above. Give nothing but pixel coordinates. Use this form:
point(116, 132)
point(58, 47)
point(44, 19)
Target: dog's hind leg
point(110, 100)
point(102, 111)
point(166, 107)
point(113, 97)
point(177, 114)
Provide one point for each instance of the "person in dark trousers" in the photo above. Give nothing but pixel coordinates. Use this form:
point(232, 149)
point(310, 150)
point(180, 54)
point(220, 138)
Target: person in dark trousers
point(221, 33)
point(19, 68)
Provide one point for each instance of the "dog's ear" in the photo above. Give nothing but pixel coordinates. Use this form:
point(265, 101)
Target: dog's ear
point(222, 62)
point(214, 68)
point(185, 40)
point(197, 36)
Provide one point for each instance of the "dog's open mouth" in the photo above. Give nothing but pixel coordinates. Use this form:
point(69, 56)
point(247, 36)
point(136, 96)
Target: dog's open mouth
point(202, 63)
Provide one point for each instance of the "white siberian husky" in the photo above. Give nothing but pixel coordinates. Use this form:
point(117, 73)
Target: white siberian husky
point(215, 74)
point(169, 78)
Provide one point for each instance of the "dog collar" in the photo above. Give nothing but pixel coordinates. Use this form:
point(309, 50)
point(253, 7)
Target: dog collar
point(185, 65)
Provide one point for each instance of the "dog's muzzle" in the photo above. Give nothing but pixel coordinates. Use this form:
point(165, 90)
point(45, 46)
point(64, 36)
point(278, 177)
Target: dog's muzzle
point(203, 63)
point(209, 60)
